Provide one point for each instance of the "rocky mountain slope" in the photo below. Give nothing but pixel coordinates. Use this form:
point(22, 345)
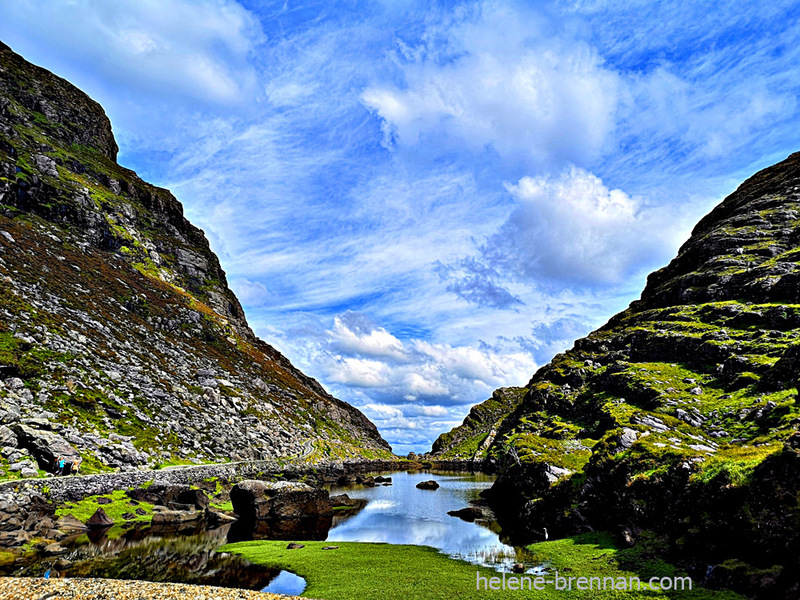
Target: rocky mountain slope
point(472, 439)
point(119, 337)
point(678, 420)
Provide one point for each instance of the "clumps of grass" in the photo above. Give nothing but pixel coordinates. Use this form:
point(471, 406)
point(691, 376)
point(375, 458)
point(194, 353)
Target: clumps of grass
point(734, 464)
point(120, 504)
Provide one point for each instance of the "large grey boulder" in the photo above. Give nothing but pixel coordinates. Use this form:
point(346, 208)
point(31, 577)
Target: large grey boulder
point(45, 446)
point(7, 437)
point(262, 501)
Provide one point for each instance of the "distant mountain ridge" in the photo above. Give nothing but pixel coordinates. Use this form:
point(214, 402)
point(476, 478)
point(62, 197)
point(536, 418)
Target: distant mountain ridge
point(472, 439)
point(679, 418)
point(119, 335)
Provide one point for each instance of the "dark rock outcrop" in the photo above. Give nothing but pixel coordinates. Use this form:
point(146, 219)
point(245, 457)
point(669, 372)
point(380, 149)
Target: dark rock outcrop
point(45, 446)
point(677, 417)
point(428, 485)
point(99, 520)
point(266, 501)
point(342, 500)
point(470, 513)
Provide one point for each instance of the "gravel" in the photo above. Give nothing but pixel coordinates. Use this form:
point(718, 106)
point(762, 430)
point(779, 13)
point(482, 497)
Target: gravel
point(30, 588)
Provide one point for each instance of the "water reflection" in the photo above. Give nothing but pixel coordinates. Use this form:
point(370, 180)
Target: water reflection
point(396, 514)
point(286, 583)
point(308, 528)
point(148, 554)
point(403, 514)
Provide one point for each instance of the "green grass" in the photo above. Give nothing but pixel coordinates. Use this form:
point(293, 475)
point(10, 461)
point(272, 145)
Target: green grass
point(222, 506)
point(120, 504)
point(6, 558)
point(359, 570)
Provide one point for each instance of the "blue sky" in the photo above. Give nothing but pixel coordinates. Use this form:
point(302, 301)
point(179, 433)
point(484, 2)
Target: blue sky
point(419, 202)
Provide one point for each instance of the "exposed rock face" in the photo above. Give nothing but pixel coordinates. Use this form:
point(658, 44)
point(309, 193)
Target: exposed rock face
point(117, 326)
point(677, 416)
point(45, 446)
point(266, 501)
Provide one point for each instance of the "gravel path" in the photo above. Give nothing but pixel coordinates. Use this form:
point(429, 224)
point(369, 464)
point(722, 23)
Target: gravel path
point(30, 588)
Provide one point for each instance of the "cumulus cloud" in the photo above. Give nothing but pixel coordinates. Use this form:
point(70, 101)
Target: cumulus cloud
point(353, 333)
point(495, 76)
point(404, 384)
point(360, 354)
point(565, 229)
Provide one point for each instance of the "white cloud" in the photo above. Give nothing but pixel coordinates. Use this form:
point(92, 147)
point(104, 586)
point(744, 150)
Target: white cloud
point(360, 354)
point(499, 79)
point(375, 342)
point(198, 49)
point(414, 385)
point(572, 227)
point(359, 372)
point(567, 229)
point(424, 384)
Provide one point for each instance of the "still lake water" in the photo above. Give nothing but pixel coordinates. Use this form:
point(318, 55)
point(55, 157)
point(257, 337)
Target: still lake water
point(402, 514)
point(395, 514)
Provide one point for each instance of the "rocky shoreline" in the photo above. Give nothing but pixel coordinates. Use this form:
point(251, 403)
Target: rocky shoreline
point(25, 588)
point(36, 514)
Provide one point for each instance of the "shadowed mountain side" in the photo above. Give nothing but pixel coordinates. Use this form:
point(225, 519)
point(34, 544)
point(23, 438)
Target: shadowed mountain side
point(677, 421)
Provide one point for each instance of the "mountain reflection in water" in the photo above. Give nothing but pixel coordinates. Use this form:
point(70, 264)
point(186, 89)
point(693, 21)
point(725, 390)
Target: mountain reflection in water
point(138, 553)
point(403, 514)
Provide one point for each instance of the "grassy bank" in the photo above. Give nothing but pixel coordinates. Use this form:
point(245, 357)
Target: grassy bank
point(359, 570)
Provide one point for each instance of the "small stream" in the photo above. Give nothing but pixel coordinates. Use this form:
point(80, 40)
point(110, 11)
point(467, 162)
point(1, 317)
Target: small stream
point(395, 514)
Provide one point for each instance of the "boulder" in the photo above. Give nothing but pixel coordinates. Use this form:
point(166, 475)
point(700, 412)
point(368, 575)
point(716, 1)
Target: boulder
point(99, 520)
point(219, 518)
point(340, 500)
point(196, 498)
point(45, 446)
point(54, 549)
point(382, 479)
point(171, 517)
point(467, 514)
point(10, 539)
point(258, 500)
point(428, 485)
point(295, 546)
point(7, 437)
point(164, 494)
